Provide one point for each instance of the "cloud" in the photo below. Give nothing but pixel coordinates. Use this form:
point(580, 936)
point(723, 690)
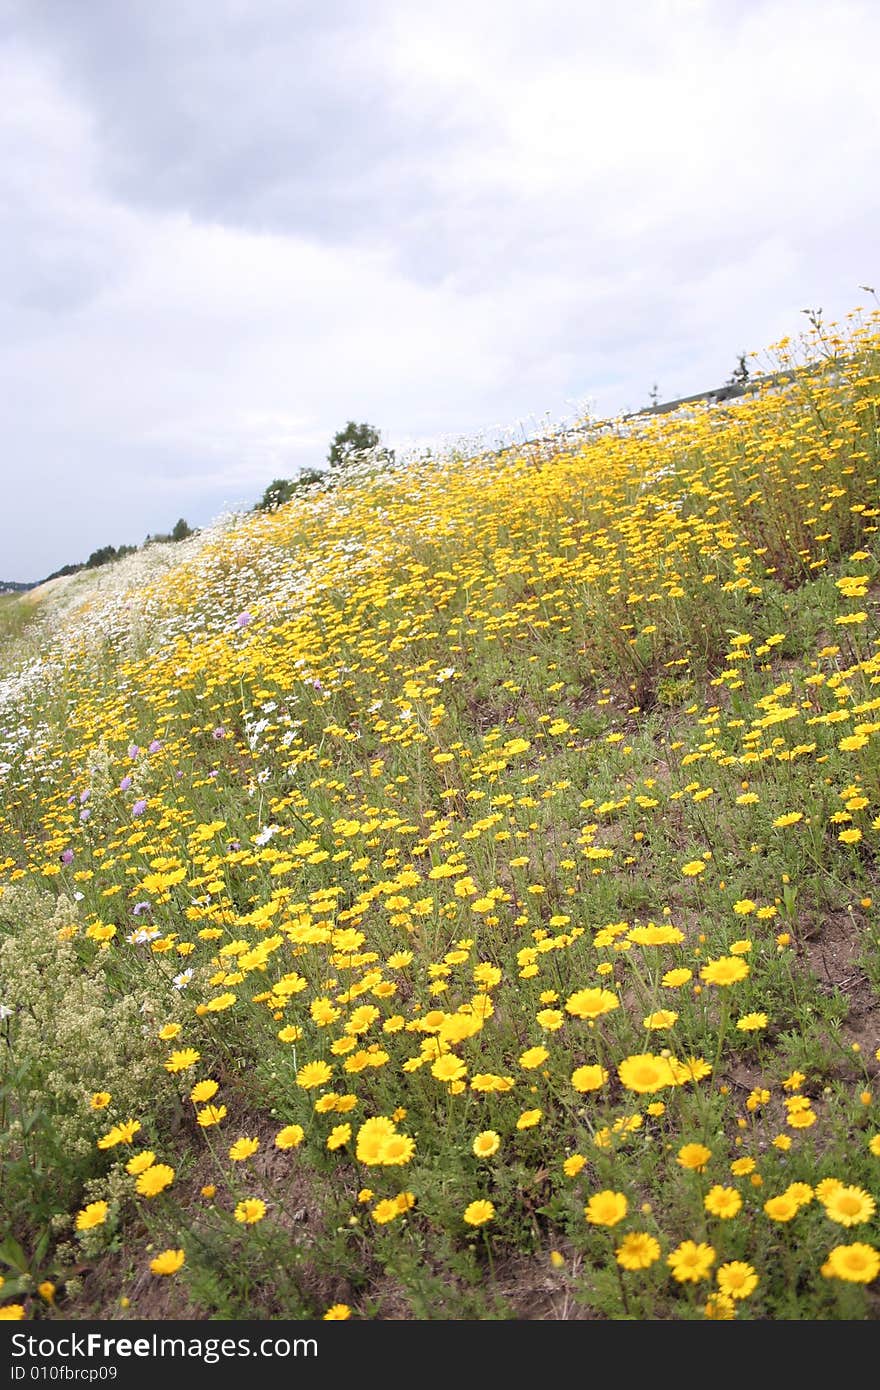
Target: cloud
point(232, 227)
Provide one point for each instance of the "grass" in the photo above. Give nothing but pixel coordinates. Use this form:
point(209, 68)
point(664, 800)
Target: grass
point(454, 895)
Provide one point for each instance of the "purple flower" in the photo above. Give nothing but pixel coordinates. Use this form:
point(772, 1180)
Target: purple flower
point(244, 618)
point(84, 815)
point(141, 907)
point(155, 745)
point(84, 796)
point(125, 784)
point(138, 808)
point(67, 856)
point(133, 750)
point(219, 732)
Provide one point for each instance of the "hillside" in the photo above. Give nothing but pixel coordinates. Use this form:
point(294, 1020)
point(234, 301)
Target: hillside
point(455, 894)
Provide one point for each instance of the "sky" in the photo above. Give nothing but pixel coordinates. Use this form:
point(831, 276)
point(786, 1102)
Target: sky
point(231, 226)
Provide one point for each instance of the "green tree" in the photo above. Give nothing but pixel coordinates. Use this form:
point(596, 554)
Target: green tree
point(355, 441)
point(279, 491)
point(740, 374)
point(182, 529)
point(307, 477)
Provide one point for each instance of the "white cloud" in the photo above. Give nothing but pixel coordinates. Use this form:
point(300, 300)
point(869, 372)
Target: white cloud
point(555, 204)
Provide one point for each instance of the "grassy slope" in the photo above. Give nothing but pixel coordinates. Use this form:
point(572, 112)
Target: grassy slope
point(404, 802)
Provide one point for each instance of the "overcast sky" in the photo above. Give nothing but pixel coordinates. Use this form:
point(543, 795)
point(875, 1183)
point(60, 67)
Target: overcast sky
point(230, 226)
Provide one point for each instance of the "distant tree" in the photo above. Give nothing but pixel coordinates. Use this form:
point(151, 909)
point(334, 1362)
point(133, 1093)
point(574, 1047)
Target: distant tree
point(181, 530)
point(655, 394)
point(279, 491)
point(64, 570)
point(740, 374)
point(102, 556)
point(307, 477)
point(355, 441)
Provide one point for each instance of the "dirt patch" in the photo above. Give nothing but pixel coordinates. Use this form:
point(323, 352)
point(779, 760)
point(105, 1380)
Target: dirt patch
point(833, 951)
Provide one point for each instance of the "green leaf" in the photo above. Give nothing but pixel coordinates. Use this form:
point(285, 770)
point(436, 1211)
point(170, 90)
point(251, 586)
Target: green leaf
point(12, 1255)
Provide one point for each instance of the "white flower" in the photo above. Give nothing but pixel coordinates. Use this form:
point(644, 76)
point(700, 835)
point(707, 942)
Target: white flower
point(5, 1011)
point(182, 980)
point(143, 936)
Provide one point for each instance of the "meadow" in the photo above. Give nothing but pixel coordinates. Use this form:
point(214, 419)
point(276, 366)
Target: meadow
point(455, 894)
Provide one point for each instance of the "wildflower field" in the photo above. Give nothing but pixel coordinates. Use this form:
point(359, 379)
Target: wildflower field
point(455, 894)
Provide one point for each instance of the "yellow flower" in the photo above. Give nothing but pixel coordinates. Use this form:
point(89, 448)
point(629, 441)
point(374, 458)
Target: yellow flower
point(740, 1167)
point(606, 1208)
point(588, 1078)
point(202, 1091)
point(337, 1312)
point(100, 1100)
point(573, 1165)
point(242, 1149)
point(182, 1060)
point(371, 1137)
point(167, 1262)
point(694, 867)
point(395, 1149)
point(140, 1162)
point(478, 1213)
point(644, 1073)
point(533, 1057)
point(790, 818)
point(782, 1208)
point(119, 1134)
point(690, 1262)
point(250, 1210)
point(752, 1023)
point(12, 1312)
point(591, 1003)
point(313, 1074)
point(210, 1115)
point(338, 1136)
point(661, 1018)
point(726, 970)
point(155, 1179)
point(719, 1308)
point(723, 1202)
point(448, 1068)
point(637, 1250)
point(385, 1211)
point(801, 1119)
point(95, 1214)
point(849, 1206)
point(857, 1264)
point(529, 1118)
point(674, 978)
point(694, 1156)
point(486, 1143)
point(801, 1192)
point(289, 1137)
point(736, 1279)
